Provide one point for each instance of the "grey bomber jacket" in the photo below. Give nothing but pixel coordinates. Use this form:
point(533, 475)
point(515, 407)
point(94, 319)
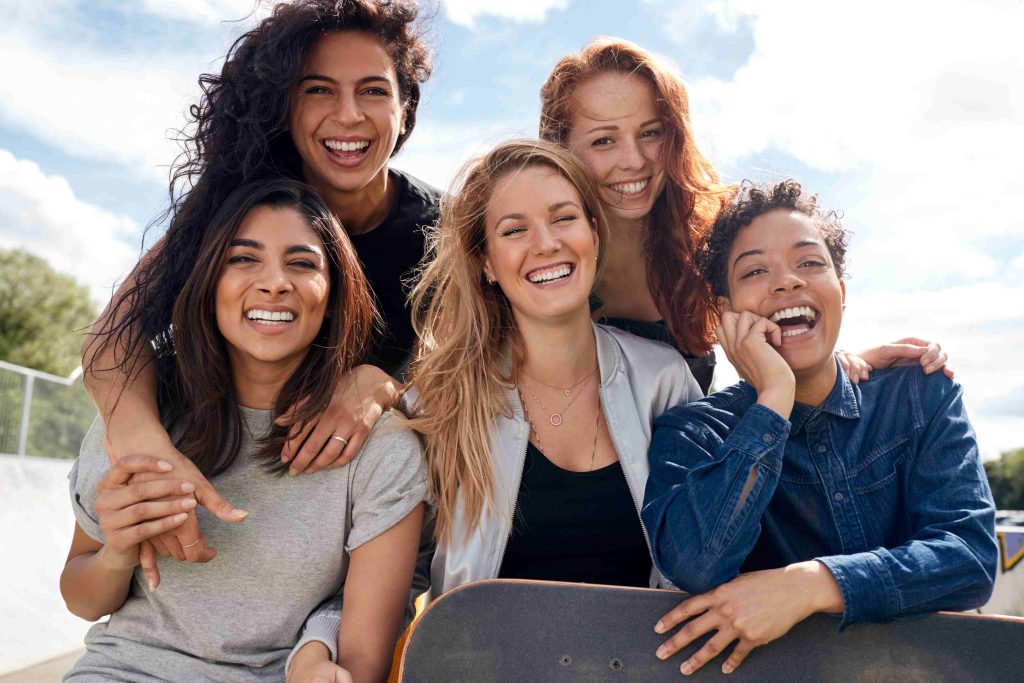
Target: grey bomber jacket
point(640, 379)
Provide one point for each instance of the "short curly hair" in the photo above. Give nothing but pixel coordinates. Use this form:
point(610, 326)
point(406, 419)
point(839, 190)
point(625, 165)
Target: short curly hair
point(757, 199)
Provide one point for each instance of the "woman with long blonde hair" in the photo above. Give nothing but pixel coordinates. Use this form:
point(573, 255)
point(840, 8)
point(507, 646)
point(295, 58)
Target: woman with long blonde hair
point(536, 421)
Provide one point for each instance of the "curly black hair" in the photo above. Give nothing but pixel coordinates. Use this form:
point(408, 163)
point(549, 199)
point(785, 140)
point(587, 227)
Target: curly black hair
point(757, 199)
point(237, 135)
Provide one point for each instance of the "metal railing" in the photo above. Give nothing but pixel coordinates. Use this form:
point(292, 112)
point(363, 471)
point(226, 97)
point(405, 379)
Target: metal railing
point(42, 414)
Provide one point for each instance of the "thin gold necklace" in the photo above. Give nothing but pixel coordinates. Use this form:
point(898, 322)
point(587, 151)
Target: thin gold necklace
point(555, 418)
point(567, 391)
point(540, 444)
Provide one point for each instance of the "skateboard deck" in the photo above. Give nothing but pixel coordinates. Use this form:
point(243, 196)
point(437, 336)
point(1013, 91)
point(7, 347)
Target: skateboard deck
point(511, 630)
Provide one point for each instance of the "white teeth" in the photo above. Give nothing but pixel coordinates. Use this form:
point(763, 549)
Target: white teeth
point(339, 146)
point(796, 331)
point(549, 274)
point(270, 316)
point(630, 188)
point(795, 312)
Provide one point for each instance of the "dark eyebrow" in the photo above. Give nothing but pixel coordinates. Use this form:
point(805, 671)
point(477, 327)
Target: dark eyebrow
point(252, 244)
point(559, 205)
point(513, 216)
point(807, 243)
point(302, 249)
point(317, 77)
point(752, 252)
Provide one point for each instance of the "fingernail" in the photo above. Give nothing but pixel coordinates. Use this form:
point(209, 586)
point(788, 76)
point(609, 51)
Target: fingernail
point(187, 487)
point(180, 517)
point(239, 514)
point(163, 465)
point(292, 472)
point(659, 627)
point(188, 503)
point(662, 652)
point(727, 669)
point(686, 668)
point(150, 585)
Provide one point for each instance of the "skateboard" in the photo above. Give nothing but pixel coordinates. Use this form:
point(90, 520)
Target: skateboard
point(513, 630)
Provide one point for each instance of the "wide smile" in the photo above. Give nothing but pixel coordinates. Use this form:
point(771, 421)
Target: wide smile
point(630, 188)
point(348, 151)
point(795, 321)
point(269, 321)
point(548, 276)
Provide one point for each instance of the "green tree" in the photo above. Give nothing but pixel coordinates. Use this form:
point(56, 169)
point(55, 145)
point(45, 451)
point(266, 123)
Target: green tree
point(1006, 477)
point(42, 314)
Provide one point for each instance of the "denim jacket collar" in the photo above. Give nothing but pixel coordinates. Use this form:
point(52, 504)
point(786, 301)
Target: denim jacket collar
point(842, 401)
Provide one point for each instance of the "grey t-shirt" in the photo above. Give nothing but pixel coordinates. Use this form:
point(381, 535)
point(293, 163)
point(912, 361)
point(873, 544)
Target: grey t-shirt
point(237, 617)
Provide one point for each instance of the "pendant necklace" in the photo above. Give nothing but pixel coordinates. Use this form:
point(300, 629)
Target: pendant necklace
point(567, 391)
point(540, 444)
point(555, 418)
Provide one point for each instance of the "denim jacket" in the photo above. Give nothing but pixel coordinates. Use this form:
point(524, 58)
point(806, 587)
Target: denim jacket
point(882, 483)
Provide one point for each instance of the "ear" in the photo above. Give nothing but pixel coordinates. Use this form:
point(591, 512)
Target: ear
point(596, 236)
point(724, 304)
point(488, 270)
point(842, 290)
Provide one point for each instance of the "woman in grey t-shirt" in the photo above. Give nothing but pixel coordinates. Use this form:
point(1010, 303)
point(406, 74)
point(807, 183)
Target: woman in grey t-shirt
point(272, 313)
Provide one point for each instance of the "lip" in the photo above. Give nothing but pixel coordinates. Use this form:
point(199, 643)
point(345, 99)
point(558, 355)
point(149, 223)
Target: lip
point(550, 284)
point(346, 159)
point(803, 336)
point(647, 179)
point(270, 328)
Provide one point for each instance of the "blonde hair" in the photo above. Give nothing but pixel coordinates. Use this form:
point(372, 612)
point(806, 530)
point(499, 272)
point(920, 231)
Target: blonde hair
point(469, 352)
point(683, 214)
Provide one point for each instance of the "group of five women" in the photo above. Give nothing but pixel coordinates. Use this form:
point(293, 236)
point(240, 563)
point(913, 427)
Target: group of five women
point(554, 296)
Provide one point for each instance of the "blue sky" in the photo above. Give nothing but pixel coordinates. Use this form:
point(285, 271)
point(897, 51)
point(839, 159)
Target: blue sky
point(907, 116)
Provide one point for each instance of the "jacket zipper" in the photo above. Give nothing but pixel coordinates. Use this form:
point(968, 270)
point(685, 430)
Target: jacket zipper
point(636, 508)
point(515, 503)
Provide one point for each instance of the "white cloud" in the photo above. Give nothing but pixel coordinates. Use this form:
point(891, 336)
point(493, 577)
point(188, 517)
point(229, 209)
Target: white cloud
point(40, 213)
point(465, 12)
point(208, 11)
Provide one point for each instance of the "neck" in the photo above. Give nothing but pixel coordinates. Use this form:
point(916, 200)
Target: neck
point(623, 286)
point(558, 353)
point(362, 210)
point(257, 383)
point(814, 386)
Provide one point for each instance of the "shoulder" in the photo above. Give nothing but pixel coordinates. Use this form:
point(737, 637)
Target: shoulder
point(721, 410)
point(93, 462)
point(638, 351)
point(909, 385)
point(391, 440)
point(416, 197)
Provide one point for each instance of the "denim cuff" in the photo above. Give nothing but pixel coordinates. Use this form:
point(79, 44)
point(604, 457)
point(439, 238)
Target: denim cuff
point(869, 593)
point(320, 627)
point(762, 434)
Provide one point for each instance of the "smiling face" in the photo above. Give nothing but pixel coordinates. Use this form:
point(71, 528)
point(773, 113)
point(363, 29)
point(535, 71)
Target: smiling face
point(779, 267)
point(541, 248)
point(272, 290)
point(618, 133)
point(345, 113)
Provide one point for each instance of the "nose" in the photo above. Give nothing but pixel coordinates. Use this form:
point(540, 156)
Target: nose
point(544, 240)
point(348, 112)
point(274, 281)
point(788, 281)
point(632, 157)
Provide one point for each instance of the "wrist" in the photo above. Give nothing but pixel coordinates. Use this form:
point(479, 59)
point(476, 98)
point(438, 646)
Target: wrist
point(778, 398)
point(128, 436)
point(824, 593)
point(309, 655)
point(117, 561)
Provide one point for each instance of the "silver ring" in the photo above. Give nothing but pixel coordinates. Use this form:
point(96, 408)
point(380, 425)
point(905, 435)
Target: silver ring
point(193, 543)
point(343, 440)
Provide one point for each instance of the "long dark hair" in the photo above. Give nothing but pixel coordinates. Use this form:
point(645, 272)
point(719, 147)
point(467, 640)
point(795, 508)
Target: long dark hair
point(237, 135)
point(683, 214)
point(198, 404)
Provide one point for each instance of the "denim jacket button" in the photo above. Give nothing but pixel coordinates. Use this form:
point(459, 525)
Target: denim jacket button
point(838, 497)
point(821, 448)
point(768, 438)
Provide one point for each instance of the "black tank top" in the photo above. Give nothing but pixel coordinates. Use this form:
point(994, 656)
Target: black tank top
point(575, 526)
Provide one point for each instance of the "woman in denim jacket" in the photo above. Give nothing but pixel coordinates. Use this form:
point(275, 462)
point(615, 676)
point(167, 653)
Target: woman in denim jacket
point(867, 500)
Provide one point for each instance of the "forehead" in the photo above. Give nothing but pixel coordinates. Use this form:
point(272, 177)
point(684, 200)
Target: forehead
point(349, 53)
point(277, 225)
point(529, 190)
point(614, 97)
point(777, 231)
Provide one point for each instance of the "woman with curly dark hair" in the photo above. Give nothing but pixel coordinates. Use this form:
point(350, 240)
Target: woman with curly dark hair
point(324, 91)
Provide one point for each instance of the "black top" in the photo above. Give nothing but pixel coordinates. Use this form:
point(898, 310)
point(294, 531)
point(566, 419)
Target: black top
point(702, 367)
point(575, 526)
point(389, 253)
